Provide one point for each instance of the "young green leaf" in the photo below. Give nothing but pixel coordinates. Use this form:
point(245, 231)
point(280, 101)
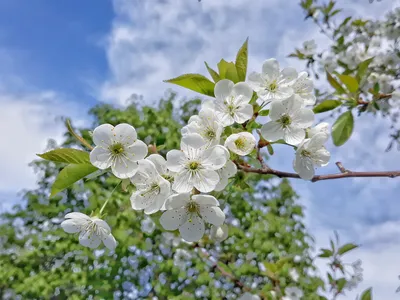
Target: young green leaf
point(342, 128)
point(241, 61)
point(213, 73)
point(69, 175)
point(67, 155)
point(326, 105)
point(346, 248)
point(335, 84)
point(325, 253)
point(362, 68)
point(194, 82)
point(227, 70)
point(264, 112)
point(367, 294)
point(350, 82)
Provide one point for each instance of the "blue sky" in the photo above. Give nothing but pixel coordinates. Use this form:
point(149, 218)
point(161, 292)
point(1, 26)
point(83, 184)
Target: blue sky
point(62, 57)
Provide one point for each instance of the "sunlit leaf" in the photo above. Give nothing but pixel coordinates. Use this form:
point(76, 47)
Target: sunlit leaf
point(342, 128)
point(326, 105)
point(241, 61)
point(194, 82)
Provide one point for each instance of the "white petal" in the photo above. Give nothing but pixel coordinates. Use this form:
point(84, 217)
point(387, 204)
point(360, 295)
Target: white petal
point(100, 157)
point(256, 82)
point(123, 168)
point(89, 239)
point(294, 135)
point(270, 69)
point(223, 182)
point(140, 202)
point(103, 135)
point(272, 131)
point(205, 200)
point(183, 182)
point(224, 118)
point(319, 128)
point(292, 104)
point(102, 224)
point(125, 134)
point(288, 75)
point(77, 215)
point(73, 225)
point(215, 158)
point(244, 113)
point(242, 89)
point(194, 140)
point(304, 167)
point(159, 162)
point(276, 110)
point(316, 142)
point(321, 157)
point(208, 104)
point(157, 204)
point(308, 99)
point(223, 89)
point(172, 219)
point(205, 180)
point(109, 241)
point(177, 201)
point(193, 229)
point(212, 215)
point(175, 160)
point(137, 150)
point(303, 118)
point(230, 169)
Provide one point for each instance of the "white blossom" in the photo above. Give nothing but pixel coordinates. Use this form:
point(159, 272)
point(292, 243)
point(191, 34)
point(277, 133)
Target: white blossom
point(203, 129)
point(293, 293)
point(294, 274)
point(161, 165)
point(248, 296)
point(196, 167)
point(288, 121)
point(189, 212)
point(310, 154)
point(226, 172)
point(241, 143)
point(309, 47)
point(219, 233)
point(117, 147)
point(273, 83)
point(322, 127)
point(151, 189)
point(92, 230)
point(147, 225)
point(182, 258)
point(232, 102)
point(304, 88)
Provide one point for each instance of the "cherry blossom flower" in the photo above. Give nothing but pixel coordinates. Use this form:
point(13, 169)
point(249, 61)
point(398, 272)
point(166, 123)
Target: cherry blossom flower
point(288, 121)
point(293, 293)
point(117, 147)
point(219, 233)
point(241, 143)
point(304, 88)
point(232, 102)
point(92, 230)
point(189, 212)
point(273, 83)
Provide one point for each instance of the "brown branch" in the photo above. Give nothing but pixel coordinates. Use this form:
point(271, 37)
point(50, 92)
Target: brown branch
point(343, 173)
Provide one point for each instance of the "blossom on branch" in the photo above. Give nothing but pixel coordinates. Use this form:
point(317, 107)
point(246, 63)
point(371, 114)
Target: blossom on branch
point(241, 143)
point(189, 212)
point(92, 230)
point(117, 147)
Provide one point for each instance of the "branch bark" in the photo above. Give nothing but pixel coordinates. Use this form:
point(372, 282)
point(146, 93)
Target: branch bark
point(344, 173)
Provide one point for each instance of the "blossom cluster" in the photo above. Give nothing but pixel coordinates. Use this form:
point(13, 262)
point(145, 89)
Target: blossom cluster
point(180, 184)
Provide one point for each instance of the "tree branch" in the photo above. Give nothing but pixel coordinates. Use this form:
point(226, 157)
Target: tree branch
point(344, 173)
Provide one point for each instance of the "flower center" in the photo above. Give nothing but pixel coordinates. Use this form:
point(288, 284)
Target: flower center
point(117, 148)
point(194, 165)
point(306, 153)
point(240, 143)
point(210, 134)
point(285, 120)
point(192, 207)
point(154, 188)
point(273, 86)
point(168, 177)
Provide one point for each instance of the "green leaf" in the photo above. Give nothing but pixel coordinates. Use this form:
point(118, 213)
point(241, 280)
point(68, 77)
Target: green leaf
point(69, 175)
point(335, 84)
point(350, 82)
point(363, 67)
point(342, 128)
point(325, 253)
point(367, 294)
point(270, 149)
point(241, 61)
point(326, 105)
point(264, 112)
point(346, 248)
point(194, 82)
point(67, 155)
point(227, 70)
point(341, 282)
point(213, 73)
point(253, 98)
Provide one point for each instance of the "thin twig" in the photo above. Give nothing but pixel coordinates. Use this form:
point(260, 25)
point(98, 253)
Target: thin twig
point(343, 173)
point(79, 138)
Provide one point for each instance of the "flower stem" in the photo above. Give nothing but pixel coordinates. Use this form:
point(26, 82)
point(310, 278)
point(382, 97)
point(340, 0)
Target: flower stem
point(109, 197)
